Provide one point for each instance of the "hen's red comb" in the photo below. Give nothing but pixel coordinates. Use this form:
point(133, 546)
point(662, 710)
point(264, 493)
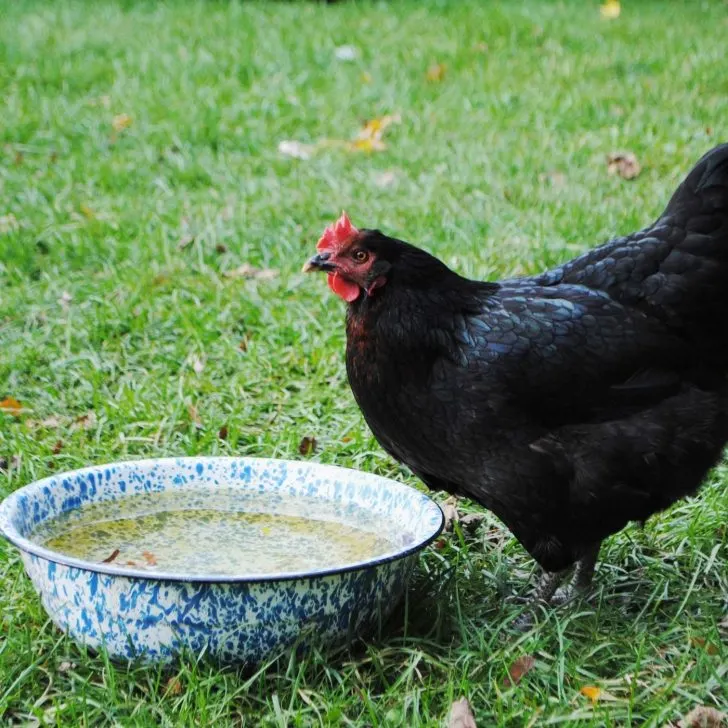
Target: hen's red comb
point(336, 235)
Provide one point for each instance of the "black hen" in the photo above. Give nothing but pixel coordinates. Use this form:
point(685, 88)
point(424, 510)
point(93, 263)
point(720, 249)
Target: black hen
point(568, 403)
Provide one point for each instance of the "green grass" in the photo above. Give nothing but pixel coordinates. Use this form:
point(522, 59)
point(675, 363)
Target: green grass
point(499, 169)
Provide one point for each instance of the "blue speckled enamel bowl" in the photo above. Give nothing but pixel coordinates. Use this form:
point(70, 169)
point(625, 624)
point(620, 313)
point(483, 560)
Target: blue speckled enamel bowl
point(154, 616)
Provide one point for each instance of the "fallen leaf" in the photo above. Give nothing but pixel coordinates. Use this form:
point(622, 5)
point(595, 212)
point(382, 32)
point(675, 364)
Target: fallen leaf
point(243, 344)
point(439, 545)
point(111, 557)
point(131, 563)
point(185, 241)
point(450, 511)
point(194, 415)
point(86, 211)
point(610, 9)
point(519, 669)
point(11, 406)
point(624, 164)
point(8, 223)
point(65, 300)
point(57, 447)
point(223, 432)
point(307, 446)
point(461, 715)
point(84, 422)
point(121, 122)
point(49, 423)
point(709, 647)
point(345, 439)
point(592, 692)
point(248, 271)
point(385, 179)
point(150, 558)
point(436, 72)
point(703, 717)
point(346, 53)
point(297, 150)
point(369, 138)
point(198, 365)
point(174, 686)
point(555, 179)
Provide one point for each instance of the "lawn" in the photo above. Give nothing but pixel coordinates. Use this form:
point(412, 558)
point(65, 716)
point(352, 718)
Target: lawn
point(139, 168)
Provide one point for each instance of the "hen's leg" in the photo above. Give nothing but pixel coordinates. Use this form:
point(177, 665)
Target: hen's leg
point(548, 584)
point(582, 579)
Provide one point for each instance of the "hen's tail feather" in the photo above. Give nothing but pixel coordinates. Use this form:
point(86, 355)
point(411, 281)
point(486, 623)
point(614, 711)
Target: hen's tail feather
point(675, 270)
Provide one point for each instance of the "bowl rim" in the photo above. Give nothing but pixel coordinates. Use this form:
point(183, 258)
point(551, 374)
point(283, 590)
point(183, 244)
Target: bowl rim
point(9, 503)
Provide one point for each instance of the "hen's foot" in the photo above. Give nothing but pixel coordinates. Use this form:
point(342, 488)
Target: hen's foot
point(580, 583)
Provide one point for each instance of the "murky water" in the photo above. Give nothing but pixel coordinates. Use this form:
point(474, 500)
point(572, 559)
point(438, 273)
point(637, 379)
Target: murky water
point(218, 532)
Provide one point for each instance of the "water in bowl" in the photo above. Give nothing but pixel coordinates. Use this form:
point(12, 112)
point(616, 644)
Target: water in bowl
point(220, 532)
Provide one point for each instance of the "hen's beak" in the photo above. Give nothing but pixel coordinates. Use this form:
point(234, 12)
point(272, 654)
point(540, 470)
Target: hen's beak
point(318, 262)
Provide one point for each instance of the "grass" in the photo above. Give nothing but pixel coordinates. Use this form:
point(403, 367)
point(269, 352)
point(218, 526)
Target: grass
point(499, 168)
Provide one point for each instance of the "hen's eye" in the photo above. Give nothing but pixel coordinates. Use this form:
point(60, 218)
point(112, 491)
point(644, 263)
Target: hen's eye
point(360, 256)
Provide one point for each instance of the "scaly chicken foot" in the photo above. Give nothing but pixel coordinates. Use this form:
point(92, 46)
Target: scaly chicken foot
point(549, 588)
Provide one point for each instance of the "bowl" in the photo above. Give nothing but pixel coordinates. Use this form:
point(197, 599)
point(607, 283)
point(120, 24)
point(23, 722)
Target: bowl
point(154, 616)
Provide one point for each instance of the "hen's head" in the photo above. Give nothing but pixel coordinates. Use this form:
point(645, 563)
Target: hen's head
point(355, 260)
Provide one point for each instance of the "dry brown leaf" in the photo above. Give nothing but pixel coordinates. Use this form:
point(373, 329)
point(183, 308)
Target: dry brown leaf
point(248, 271)
point(450, 511)
point(8, 224)
point(57, 447)
point(174, 686)
point(194, 415)
point(624, 164)
point(150, 558)
point(121, 122)
point(84, 422)
point(11, 406)
point(222, 433)
point(519, 669)
point(461, 715)
point(111, 557)
point(48, 423)
point(610, 10)
point(307, 446)
point(385, 179)
point(436, 72)
point(704, 717)
point(709, 647)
